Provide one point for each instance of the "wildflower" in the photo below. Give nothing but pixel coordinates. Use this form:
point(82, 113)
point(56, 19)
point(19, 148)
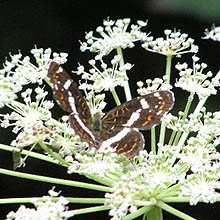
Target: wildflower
point(114, 35)
point(46, 208)
point(194, 80)
point(153, 85)
point(92, 162)
point(106, 78)
point(200, 188)
point(213, 34)
point(96, 103)
point(8, 89)
point(122, 200)
point(24, 72)
point(29, 118)
point(174, 44)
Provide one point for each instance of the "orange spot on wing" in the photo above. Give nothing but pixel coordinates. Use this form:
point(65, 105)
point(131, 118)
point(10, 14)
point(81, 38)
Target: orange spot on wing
point(55, 78)
point(149, 119)
point(131, 149)
point(162, 105)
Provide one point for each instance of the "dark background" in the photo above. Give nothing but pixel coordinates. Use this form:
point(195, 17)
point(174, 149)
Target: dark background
point(60, 25)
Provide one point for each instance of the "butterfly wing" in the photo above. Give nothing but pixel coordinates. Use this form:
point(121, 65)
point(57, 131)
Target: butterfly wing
point(143, 112)
point(69, 97)
point(126, 140)
point(66, 92)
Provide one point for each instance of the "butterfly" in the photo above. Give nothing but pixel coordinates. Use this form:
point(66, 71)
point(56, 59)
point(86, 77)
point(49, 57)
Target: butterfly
point(117, 128)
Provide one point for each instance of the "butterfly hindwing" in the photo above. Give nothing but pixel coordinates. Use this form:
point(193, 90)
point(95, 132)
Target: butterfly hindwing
point(126, 140)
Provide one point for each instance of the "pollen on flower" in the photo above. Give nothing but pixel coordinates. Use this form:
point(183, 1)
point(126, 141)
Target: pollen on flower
point(95, 163)
point(8, 89)
point(200, 189)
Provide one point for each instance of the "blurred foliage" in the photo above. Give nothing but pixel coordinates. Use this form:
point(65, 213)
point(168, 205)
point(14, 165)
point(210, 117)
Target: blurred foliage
point(207, 10)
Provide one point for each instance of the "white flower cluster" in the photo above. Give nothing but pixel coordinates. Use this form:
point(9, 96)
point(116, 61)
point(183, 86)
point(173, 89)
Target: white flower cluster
point(194, 80)
point(192, 123)
point(95, 102)
point(46, 208)
point(213, 34)
point(95, 162)
point(122, 200)
point(20, 71)
point(104, 78)
point(8, 89)
point(153, 85)
point(28, 118)
point(174, 44)
point(114, 35)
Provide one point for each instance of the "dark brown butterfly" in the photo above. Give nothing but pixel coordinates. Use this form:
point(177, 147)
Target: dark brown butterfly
point(118, 127)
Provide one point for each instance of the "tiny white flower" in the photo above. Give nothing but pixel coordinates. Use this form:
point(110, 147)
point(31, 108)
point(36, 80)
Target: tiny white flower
point(213, 34)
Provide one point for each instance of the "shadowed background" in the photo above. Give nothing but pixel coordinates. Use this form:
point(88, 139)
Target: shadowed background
point(60, 25)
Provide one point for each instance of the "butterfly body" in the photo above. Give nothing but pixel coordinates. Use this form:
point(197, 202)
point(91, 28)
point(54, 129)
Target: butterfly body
point(117, 128)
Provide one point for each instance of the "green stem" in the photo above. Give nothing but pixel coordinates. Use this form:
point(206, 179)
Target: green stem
point(139, 212)
point(168, 68)
point(153, 141)
point(196, 112)
point(186, 112)
point(174, 211)
point(162, 133)
point(115, 95)
point(126, 85)
point(55, 180)
point(185, 134)
point(29, 153)
point(105, 181)
point(172, 137)
point(53, 154)
point(70, 199)
point(168, 74)
point(89, 210)
point(155, 214)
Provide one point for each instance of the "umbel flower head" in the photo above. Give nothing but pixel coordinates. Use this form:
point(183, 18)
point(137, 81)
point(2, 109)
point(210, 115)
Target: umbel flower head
point(20, 71)
point(47, 208)
point(104, 78)
point(173, 44)
point(113, 35)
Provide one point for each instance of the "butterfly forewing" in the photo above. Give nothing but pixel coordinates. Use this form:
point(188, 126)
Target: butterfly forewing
point(143, 112)
point(66, 92)
point(69, 97)
point(83, 128)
